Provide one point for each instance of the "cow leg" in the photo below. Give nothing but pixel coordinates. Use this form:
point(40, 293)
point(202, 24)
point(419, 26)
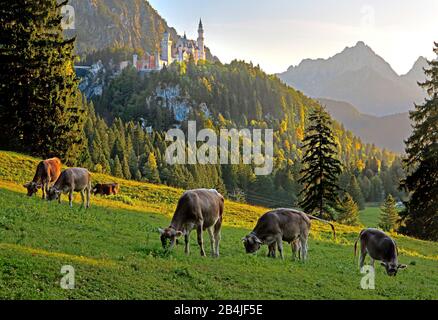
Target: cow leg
point(363, 253)
point(280, 246)
point(296, 249)
point(217, 236)
point(88, 195)
point(47, 187)
point(43, 189)
point(200, 240)
point(271, 250)
point(59, 198)
point(187, 242)
point(212, 240)
point(303, 245)
point(70, 198)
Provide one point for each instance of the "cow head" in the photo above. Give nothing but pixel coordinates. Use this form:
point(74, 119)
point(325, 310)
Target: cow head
point(32, 188)
point(252, 243)
point(53, 194)
point(169, 234)
point(392, 268)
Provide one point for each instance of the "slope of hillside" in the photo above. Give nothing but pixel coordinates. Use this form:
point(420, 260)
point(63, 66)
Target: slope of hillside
point(385, 132)
point(115, 250)
point(361, 77)
point(132, 24)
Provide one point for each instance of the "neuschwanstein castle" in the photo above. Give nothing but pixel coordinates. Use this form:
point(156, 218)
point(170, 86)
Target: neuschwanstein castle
point(182, 51)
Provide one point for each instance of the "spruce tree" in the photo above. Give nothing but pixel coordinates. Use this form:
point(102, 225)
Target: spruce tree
point(40, 105)
point(348, 212)
point(389, 218)
point(354, 190)
point(117, 168)
point(151, 169)
point(421, 213)
point(321, 167)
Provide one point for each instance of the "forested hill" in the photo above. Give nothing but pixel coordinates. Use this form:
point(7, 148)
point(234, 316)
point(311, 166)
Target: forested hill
point(110, 24)
point(222, 96)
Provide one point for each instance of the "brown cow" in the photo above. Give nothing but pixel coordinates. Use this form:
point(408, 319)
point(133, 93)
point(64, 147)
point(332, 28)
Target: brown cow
point(380, 247)
point(47, 172)
point(280, 225)
point(201, 209)
point(106, 189)
point(70, 180)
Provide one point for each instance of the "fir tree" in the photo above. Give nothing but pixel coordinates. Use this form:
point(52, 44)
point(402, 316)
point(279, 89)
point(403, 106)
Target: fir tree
point(151, 169)
point(421, 213)
point(117, 168)
point(389, 218)
point(348, 212)
point(40, 107)
point(321, 167)
point(356, 193)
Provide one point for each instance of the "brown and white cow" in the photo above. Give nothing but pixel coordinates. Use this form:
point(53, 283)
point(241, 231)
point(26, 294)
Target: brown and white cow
point(47, 172)
point(201, 209)
point(280, 225)
point(106, 189)
point(70, 180)
point(380, 247)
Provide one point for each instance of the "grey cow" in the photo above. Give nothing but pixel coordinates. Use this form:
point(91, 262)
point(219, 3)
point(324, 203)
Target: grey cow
point(380, 247)
point(201, 209)
point(71, 180)
point(280, 225)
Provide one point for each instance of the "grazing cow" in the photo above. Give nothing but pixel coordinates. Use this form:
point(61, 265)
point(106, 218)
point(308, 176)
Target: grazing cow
point(280, 225)
point(201, 209)
point(47, 172)
point(70, 180)
point(380, 247)
point(106, 189)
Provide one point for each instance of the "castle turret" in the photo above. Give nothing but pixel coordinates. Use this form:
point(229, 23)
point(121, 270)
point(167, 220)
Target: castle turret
point(201, 47)
point(135, 60)
point(166, 48)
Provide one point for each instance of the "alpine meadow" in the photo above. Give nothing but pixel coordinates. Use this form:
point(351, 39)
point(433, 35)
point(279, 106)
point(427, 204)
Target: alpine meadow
point(131, 155)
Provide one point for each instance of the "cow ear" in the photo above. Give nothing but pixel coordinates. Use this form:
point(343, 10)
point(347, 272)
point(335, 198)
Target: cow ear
point(26, 185)
point(161, 231)
point(244, 239)
point(179, 234)
point(383, 264)
point(402, 266)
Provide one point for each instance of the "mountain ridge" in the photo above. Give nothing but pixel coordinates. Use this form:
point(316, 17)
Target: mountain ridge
point(387, 132)
point(361, 77)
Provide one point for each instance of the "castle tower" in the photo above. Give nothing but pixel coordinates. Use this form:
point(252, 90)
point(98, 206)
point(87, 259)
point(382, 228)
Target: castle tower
point(201, 47)
point(135, 60)
point(166, 48)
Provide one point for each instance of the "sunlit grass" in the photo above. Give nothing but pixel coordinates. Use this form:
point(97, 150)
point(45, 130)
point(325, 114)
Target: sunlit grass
point(115, 249)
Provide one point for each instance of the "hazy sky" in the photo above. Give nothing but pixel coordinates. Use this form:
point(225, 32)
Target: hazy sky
point(280, 33)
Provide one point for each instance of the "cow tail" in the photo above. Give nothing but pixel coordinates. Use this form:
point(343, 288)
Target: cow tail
point(355, 245)
point(355, 250)
point(325, 221)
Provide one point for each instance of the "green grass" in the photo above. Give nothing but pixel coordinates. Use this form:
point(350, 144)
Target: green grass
point(116, 253)
point(370, 216)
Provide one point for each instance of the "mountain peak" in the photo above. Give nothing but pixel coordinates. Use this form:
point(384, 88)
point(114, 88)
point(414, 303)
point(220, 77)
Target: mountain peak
point(360, 44)
point(360, 76)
